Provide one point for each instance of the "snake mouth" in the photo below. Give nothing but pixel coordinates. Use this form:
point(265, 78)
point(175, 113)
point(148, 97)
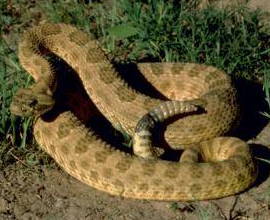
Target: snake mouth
point(27, 111)
point(30, 108)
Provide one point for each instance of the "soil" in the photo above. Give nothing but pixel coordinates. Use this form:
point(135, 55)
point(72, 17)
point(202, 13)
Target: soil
point(50, 193)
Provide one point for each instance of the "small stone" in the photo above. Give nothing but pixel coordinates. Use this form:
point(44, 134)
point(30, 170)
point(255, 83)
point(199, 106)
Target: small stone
point(3, 205)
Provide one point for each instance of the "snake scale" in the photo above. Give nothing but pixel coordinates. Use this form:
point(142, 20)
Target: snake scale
point(227, 167)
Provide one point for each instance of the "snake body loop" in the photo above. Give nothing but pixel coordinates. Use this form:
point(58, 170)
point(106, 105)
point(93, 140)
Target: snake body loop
point(228, 167)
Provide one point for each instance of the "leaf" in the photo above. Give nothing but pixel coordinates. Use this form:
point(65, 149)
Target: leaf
point(123, 31)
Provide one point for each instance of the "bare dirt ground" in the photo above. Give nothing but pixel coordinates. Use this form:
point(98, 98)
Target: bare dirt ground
point(49, 193)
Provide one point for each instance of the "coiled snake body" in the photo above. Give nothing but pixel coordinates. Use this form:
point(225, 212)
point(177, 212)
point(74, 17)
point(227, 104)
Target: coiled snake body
point(227, 166)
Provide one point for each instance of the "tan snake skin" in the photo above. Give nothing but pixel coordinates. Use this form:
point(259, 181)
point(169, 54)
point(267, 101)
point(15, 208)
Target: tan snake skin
point(228, 167)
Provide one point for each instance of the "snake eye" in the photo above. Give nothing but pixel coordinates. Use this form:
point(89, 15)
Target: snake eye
point(33, 103)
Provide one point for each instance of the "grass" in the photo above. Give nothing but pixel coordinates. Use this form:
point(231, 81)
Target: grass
point(230, 39)
point(13, 130)
point(266, 87)
point(133, 31)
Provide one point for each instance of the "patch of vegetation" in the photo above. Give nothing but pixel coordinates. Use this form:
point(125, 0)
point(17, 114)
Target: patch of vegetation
point(232, 39)
point(266, 87)
point(13, 130)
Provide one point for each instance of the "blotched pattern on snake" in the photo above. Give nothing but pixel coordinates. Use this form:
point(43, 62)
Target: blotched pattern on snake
point(228, 166)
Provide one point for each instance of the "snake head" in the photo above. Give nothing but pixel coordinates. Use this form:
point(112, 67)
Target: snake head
point(28, 103)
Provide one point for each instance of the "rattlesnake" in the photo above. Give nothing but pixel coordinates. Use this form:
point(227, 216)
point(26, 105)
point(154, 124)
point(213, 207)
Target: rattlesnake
point(228, 166)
